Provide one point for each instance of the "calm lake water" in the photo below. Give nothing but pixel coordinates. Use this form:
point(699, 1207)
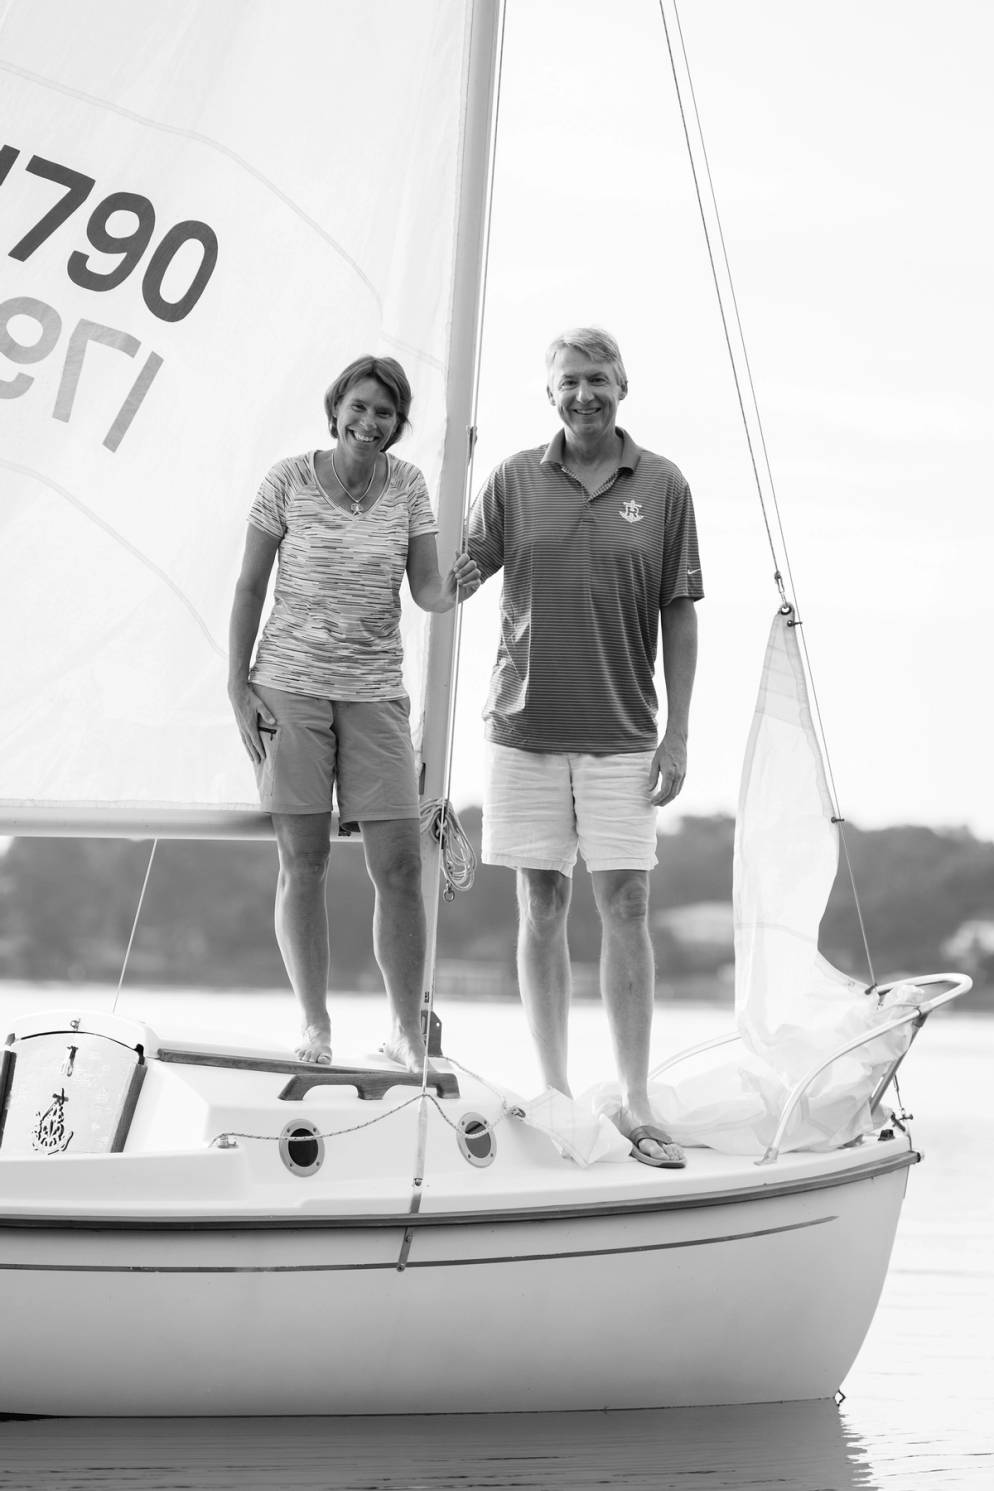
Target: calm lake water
point(917, 1409)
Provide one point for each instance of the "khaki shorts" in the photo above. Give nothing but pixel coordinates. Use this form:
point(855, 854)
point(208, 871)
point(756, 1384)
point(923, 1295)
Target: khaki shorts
point(539, 809)
point(361, 749)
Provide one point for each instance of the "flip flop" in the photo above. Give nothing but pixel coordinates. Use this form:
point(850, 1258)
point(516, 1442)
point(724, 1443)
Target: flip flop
point(673, 1157)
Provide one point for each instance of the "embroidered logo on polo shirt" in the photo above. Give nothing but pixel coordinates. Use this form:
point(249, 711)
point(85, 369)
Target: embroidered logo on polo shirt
point(631, 512)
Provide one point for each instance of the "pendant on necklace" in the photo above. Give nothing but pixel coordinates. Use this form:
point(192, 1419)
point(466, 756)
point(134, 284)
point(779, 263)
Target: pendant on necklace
point(356, 502)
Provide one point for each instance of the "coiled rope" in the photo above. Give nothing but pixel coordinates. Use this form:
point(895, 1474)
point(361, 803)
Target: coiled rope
point(458, 858)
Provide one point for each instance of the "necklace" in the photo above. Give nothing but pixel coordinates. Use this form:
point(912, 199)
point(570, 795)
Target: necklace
point(355, 501)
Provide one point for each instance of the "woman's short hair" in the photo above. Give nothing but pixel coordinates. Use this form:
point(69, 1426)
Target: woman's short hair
point(388, 372)
point(598, 345)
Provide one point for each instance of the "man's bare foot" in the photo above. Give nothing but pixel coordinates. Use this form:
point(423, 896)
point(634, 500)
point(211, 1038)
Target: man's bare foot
point(654, 1144)
point(407, 1051)
point(315, 1045)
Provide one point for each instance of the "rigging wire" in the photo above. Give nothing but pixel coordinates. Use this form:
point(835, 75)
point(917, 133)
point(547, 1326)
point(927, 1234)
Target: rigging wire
point(134, 925)
point(743, 347)
point(734, 357)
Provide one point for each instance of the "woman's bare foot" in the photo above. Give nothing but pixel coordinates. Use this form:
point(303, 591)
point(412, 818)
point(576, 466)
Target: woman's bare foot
point(407, 1051)
point(315, 1045)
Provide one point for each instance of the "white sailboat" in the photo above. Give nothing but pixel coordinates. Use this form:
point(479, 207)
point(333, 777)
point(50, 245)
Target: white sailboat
point(191, 1229)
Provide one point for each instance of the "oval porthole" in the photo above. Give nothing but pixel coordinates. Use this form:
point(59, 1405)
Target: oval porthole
point(301, 1148)
point(477, 1140)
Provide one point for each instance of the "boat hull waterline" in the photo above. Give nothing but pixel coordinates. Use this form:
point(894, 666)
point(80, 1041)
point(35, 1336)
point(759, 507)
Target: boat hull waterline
point(746, 1302)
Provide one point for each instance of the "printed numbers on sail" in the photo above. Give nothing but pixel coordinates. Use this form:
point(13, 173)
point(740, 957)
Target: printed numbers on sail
point(119, 232)
point(26, 345)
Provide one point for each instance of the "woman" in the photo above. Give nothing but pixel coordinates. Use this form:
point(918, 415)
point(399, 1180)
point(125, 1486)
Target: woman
point(323, 703)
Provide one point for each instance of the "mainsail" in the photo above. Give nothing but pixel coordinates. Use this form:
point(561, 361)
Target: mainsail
point(205, 213)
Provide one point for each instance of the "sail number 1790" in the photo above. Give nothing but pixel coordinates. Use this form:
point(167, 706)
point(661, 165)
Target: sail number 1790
point(127, 245)
point(119, 231)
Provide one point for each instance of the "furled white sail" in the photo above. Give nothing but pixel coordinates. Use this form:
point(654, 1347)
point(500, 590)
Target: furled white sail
point(204, 214)
point(792, 1007)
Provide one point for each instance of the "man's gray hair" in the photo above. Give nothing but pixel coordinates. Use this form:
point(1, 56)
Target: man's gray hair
point(598, 345)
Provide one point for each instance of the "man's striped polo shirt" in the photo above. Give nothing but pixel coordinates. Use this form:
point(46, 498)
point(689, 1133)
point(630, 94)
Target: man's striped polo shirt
point(584, 582)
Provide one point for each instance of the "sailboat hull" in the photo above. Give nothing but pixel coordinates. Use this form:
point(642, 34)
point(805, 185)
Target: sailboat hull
point(215, 1281)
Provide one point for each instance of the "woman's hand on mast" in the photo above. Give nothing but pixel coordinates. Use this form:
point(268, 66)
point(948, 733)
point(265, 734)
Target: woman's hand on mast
point(429, 589)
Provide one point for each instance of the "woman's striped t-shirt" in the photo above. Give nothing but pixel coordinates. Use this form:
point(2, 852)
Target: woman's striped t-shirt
point(334, 628)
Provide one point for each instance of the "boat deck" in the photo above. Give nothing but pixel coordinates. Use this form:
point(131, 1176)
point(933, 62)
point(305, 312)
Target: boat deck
point(243, 1135)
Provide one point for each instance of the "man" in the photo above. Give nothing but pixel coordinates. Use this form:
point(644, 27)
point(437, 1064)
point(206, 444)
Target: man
point(599, 550)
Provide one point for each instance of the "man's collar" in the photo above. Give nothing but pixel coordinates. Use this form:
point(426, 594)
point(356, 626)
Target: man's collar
point(555, 451)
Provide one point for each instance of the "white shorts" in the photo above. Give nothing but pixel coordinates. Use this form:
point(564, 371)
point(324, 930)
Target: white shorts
point(539, 808)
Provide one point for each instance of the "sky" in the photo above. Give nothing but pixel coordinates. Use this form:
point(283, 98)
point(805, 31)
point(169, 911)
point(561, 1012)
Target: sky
point(849, 145)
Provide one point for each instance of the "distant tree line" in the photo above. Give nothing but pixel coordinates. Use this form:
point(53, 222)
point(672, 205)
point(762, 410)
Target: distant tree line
point(67, 906)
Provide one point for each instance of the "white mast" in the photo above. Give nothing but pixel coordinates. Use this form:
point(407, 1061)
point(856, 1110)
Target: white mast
point(464, 335)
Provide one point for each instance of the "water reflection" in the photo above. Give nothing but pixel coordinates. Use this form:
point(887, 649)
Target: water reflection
point(790, 1446)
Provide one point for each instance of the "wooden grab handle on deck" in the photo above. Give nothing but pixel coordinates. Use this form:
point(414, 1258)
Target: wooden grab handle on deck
point(368, 1083)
